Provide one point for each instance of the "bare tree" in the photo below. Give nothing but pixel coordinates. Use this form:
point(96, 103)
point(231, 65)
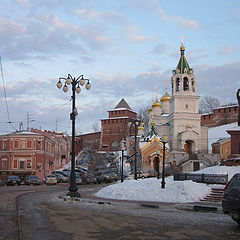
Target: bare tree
point(144, 116)
point(207, 104)
point(95, 127)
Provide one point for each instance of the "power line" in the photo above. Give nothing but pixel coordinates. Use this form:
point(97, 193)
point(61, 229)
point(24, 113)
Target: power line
point(5, 95)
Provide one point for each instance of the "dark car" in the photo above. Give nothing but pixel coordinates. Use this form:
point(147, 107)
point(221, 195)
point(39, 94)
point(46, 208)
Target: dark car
point(231, 198)
point(31, 179)
point(1, 182)
point(89, 178)
point(13, 180)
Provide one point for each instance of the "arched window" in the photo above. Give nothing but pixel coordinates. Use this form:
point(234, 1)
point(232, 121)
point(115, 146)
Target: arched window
point(177, 84)
point(193, 85)
point(185, 84)
point(115, 145)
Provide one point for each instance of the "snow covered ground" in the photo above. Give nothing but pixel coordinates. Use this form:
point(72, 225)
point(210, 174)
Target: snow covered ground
point(176, 191)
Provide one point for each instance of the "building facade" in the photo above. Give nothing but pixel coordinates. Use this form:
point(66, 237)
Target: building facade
point(177, 116)
point(116, 127)
point(220, 116)
point(36, 152)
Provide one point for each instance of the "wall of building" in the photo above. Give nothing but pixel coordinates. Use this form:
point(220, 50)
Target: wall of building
point(220, 116)
point(88, 141)
point(32, 153)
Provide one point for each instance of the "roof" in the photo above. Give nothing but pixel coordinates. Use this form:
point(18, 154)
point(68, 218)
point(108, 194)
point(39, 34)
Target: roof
point(166, 97)
point(21, 133)
point(123, 104)
point(182, 64)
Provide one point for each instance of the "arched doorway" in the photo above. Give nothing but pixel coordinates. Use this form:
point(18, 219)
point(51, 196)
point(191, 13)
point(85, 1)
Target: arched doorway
point(189, 146)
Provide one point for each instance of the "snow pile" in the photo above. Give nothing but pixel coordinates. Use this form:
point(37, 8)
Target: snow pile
point(150, 190)
point(175, 191)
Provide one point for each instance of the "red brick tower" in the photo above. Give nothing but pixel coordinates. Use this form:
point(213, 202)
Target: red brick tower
point(115, 127)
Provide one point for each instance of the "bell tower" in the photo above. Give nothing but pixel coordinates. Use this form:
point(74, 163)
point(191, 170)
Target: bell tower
point(184, 118)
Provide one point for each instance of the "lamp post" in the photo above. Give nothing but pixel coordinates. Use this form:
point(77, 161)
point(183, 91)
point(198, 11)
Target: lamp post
point(123, 147)
point(136, 124)
point(164, 141)
point(75, 82)
point(158, 174)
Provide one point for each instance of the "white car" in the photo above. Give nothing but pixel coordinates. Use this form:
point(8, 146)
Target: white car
point(51, 179)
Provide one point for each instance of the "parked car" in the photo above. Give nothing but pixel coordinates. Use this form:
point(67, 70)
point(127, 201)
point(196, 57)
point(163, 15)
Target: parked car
point(61, 178)
point(32, 179)
point(1, 182)
point(78, 180)
point(13, 180)
point(141, 174)
point(151, 173)
point(65, 173)
point(231, 198)
point(51, 179)
point(89, 178)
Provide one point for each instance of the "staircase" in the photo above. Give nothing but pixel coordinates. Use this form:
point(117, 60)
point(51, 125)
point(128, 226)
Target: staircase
point(216, 195)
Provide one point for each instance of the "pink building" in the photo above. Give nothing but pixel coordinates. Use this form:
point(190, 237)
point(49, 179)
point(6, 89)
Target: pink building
point(36, 152)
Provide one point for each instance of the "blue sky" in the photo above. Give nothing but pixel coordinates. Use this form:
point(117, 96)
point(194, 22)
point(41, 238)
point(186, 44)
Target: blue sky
point(126, 48)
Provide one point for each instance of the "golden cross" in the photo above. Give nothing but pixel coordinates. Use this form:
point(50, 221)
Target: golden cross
point(182, 37)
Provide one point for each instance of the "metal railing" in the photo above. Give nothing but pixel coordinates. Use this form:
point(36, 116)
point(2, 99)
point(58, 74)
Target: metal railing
point(202, 178)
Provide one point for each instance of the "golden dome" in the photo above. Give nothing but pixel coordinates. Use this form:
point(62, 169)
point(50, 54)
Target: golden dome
point(156, 104)
point(150, 109)
point(182, 48)
point(141, 127)
point(166, 97)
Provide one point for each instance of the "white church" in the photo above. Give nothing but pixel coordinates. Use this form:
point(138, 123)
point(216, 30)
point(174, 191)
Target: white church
point(177, 117)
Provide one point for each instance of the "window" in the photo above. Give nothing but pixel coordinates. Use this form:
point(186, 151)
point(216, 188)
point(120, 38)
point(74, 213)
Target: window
point(29, 144)
point(22, 164)
point(4, 164)
point(15, 144)
point(4, 144)
point(177, 84)
point(115, 145)
point(193, 86)
point(22, 144)
point(186, 106)
point(39, 145)
point(185, 84)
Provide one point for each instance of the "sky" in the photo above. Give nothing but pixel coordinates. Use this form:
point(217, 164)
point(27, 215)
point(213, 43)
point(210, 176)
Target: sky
point(126, 48)
point(175, 191)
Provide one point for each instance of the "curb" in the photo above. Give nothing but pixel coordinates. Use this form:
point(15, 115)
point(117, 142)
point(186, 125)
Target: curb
point(199, 208)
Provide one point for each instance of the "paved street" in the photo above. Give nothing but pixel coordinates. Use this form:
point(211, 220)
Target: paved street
point(38, 213)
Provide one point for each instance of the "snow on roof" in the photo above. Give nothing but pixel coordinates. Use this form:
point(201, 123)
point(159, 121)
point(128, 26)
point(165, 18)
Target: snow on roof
point(215, 133)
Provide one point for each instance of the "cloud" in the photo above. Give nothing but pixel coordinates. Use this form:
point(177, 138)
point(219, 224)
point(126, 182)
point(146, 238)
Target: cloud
point(134, 35)
point(96, 16)
point(187, 23)
point(222, 77)
point(160, 48)
point(225, 50)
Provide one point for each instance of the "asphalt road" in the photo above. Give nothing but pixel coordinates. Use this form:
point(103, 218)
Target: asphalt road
point(41, 214)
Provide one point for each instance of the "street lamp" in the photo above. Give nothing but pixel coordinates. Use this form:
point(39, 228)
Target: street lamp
point(164, 141)
point(158, 154)
point(136, 124)
point(123, 147)
point(76, 83)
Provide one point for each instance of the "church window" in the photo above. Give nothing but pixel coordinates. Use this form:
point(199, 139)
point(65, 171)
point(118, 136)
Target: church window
point(185, 84)
point(186, 106)
point(177, 84)
point(115, 145)
point(193, 86)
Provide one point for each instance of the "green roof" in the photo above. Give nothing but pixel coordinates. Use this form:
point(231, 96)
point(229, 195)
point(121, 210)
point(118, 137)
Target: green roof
point(182, 64)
